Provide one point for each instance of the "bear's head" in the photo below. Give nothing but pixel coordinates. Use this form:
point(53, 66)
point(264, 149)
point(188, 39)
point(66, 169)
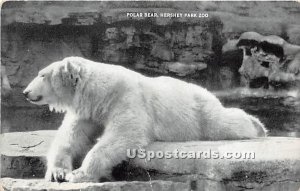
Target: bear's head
point(55, 85)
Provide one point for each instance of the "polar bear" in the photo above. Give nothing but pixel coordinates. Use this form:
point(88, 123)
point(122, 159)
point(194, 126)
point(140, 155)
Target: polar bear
point(109, 109)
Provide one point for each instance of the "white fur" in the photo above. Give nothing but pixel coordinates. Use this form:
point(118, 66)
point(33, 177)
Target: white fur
point(125, 109)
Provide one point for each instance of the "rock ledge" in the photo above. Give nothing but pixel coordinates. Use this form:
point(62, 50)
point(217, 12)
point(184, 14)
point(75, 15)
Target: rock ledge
point(275, 165)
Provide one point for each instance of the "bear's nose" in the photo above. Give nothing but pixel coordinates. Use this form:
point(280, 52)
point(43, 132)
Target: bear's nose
point(25, 93)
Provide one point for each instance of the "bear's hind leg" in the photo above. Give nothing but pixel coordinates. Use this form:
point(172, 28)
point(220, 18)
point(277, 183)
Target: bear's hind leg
point(234, 124)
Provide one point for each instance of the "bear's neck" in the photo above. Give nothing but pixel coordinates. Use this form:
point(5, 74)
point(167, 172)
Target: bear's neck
point(96, 101)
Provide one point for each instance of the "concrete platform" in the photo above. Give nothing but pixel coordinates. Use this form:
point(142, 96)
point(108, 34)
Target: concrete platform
point(275, 165)
point(35, 185)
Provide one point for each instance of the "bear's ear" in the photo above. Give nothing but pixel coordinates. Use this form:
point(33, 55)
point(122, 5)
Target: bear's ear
point(71, 73)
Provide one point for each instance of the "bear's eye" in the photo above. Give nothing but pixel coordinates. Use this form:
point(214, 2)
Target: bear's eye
point(43, 75)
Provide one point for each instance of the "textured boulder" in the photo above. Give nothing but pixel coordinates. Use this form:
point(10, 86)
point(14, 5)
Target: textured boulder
point(269, 57)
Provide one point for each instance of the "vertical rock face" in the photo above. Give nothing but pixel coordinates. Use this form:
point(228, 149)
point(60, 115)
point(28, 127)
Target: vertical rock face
point(133, 33)
point(24, 56)
point(154, 38)
point(31, 44)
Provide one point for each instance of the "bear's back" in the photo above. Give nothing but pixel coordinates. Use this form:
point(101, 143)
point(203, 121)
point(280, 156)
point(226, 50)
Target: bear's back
point(179, 108)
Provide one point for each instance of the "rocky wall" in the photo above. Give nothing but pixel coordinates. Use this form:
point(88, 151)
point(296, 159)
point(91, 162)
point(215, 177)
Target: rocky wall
point(34, 34)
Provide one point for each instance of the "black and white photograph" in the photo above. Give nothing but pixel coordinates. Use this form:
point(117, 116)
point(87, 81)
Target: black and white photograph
point(150, 96)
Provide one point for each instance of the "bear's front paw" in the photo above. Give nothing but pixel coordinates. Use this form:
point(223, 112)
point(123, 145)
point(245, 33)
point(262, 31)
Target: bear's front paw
point(56, 174)
point(80, 175)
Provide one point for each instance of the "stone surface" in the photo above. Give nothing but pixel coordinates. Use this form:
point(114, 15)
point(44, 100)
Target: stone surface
point(9, 184)
point(276, 162)
point(273, 156)
point(40, 185)
point(22, 154)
